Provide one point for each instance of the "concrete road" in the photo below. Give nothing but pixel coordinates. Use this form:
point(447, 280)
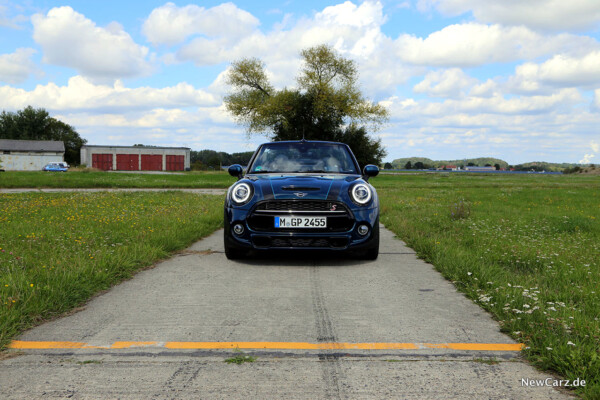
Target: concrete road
point(320, 328)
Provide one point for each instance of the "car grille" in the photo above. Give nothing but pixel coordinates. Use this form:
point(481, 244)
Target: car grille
point(339, 219)
point(291, 242)
point(300, 205)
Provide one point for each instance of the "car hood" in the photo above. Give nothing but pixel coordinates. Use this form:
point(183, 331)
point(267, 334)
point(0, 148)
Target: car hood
point(300, 186)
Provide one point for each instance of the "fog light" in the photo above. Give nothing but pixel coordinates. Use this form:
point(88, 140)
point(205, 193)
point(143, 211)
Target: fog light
point(363, 230)
point(238, 229)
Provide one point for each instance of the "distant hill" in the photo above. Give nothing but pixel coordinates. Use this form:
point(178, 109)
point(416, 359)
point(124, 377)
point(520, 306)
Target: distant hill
point(400, 163)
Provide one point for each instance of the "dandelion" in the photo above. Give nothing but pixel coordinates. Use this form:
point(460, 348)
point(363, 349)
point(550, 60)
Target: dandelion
point(31, 284)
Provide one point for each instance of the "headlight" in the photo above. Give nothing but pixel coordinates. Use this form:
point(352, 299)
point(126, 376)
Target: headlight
point(361, 193)
point(241, 193)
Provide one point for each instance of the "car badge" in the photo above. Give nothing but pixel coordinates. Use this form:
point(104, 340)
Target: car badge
point(333, 207)
point(300, 194)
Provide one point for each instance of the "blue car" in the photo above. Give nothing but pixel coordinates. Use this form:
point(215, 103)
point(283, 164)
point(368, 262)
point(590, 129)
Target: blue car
point(302, 195)
point(56, 167)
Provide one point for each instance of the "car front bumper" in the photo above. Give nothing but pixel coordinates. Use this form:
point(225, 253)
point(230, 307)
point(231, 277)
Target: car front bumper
point(300, 239)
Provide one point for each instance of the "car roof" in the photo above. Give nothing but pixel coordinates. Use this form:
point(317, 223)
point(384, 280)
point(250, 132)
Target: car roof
point(305, 141)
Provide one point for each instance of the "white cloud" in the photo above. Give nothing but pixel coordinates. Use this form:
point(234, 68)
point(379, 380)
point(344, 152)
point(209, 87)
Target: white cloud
point(547, 15)
point(81, 94)
point(595, 147)
point(560, 71)
point(70, 39)
point(16, 67)
point(473, 44)
point(587, 159)
point(353, 30)
point(446, 83)
point(9, 20)
point(171, 25)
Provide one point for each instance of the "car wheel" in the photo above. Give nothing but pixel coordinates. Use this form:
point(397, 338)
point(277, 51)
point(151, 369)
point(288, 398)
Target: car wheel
point(232, 252)
point(373, 252)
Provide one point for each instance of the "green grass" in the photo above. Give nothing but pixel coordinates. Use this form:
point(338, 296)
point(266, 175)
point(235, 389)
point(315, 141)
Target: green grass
point(525, 248)
point(57, 250)
point(91, 179)
point(240, 358)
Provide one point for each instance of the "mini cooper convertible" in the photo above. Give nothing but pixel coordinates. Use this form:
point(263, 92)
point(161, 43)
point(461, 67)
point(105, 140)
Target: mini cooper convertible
point(302, 195)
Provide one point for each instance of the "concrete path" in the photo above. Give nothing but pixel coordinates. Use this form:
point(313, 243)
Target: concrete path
point(320, 328)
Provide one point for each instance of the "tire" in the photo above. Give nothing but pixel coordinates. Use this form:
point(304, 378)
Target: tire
point(373, 252)
point(231, 252)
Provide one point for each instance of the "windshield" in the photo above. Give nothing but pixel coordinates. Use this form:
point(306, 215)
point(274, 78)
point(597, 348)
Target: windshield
point(308, 157)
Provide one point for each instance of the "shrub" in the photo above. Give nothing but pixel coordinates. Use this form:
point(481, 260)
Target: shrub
point(460, 210)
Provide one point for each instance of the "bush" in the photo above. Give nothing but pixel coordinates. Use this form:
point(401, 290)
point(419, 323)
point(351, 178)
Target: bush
point(460, 210)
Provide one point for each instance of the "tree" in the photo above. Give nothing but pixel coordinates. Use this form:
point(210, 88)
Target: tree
point(497, 167)
point(408, 165)
point(36, 124)
point(388, 166)
point(326, 105)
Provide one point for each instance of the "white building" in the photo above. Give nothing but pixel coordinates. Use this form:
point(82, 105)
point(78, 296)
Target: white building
point(29, 155)
point(480, 169)
point(136, 158)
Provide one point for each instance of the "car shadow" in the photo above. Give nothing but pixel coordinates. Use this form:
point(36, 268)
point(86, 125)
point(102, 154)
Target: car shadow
point(299, 258)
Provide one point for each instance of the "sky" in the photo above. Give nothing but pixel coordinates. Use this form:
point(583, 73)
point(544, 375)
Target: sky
point(512, 79)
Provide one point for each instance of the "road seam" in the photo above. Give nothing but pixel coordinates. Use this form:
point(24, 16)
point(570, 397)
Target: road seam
point(47, 345)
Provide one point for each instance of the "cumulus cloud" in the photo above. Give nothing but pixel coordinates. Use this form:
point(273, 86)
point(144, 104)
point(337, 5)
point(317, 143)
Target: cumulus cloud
point(473, 44)
point(71, 40)
point(16, 67)
point(170, 24)
point(446, 83)
point(353, 30)
point(82, 94)
point(546, 15)
point(560, 71)
point(587, 159)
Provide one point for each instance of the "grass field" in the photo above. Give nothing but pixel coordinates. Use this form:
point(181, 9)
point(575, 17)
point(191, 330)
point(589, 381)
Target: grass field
point(525, 248)
point(92, 179)
point(57, 250)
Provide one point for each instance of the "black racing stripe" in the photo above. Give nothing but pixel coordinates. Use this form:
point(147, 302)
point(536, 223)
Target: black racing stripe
point(335, 190)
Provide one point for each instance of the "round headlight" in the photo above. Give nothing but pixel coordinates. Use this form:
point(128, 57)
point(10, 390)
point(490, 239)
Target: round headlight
point(361, 193)
point(241, 193)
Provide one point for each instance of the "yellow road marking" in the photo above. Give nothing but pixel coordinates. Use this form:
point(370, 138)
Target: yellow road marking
point(20, 344)
point(126, 345)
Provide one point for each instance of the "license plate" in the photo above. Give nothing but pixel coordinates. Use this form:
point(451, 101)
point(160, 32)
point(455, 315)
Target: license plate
point(300, 222)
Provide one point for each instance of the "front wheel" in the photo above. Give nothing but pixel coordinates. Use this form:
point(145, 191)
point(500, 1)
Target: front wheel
point(232, 252)
point(373, 251)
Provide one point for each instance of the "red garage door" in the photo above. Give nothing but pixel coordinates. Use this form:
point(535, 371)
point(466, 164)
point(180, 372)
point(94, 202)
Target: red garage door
point(128, 162)
point(102, 161)
point(175, 163)
point(151, 162)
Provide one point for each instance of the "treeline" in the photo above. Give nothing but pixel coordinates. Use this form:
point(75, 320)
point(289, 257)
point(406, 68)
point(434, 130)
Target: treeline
point(426, 163)
point(214, 160)
point(36, 124)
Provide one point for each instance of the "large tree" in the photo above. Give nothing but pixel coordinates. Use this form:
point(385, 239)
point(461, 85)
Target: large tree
point(325, 105)
point(37, 124)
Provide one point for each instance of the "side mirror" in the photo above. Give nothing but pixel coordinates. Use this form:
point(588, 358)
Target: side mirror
point(370, 171)
point(236, 171)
